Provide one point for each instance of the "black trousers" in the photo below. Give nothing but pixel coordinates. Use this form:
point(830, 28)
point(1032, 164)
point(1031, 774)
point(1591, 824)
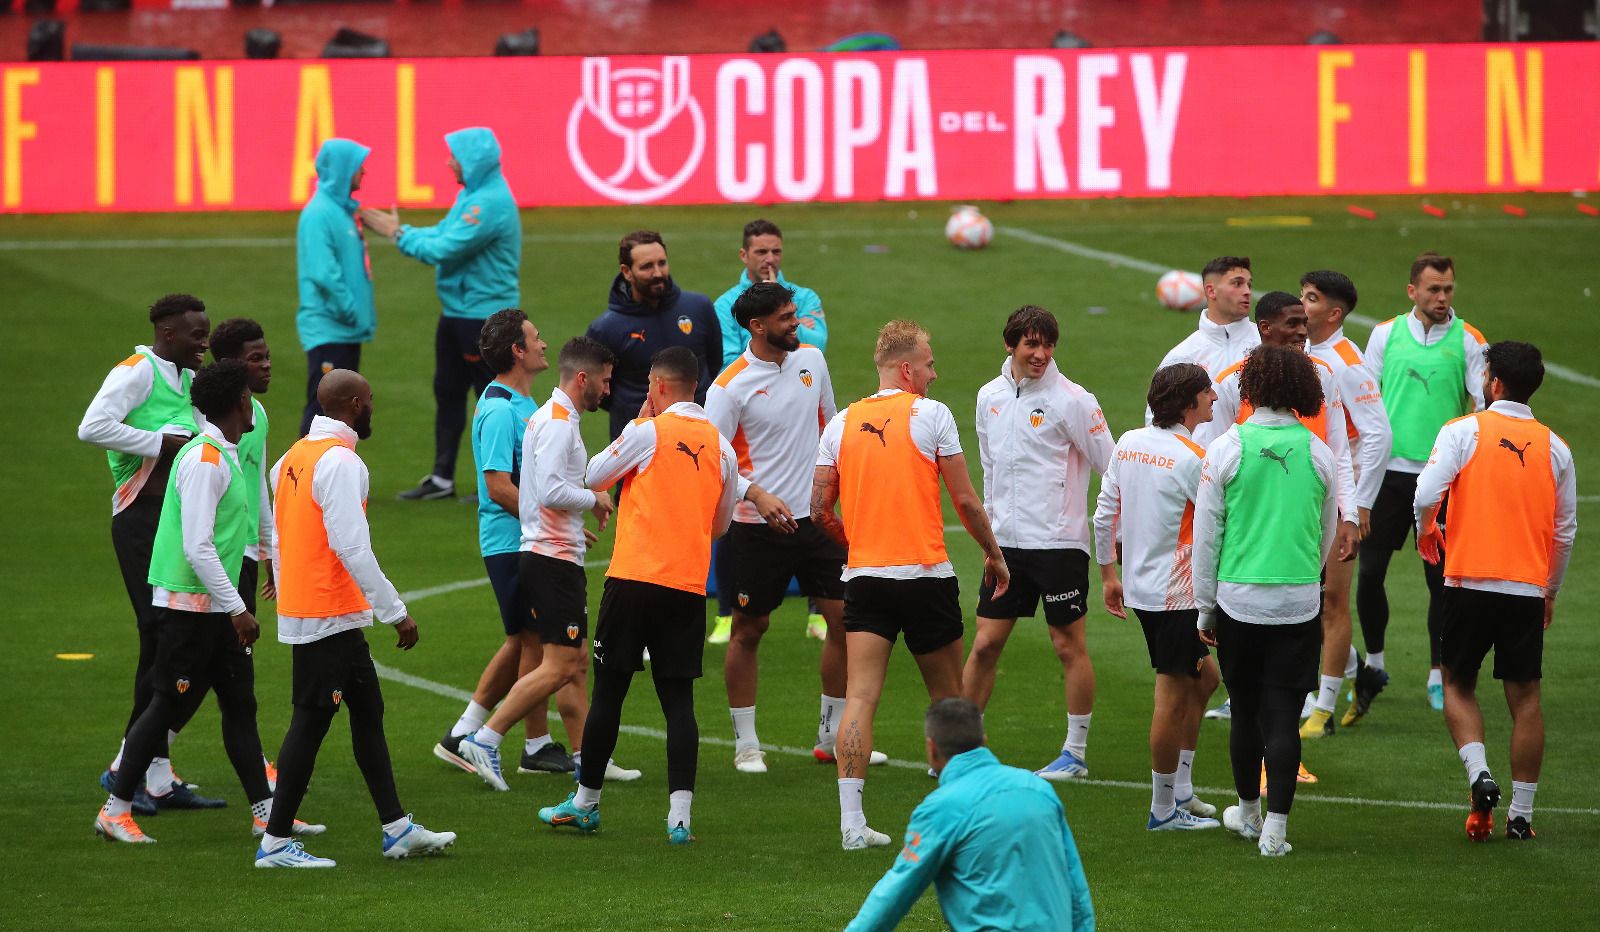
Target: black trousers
point(676, 694)
point(321, 360)
point(133, 533)
point(1393, 519)
point(1268, 670)
point(457, 368)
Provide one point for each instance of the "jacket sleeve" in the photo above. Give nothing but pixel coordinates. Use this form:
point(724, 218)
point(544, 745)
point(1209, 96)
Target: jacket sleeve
point(126, 387)
point(1221, 462)
point(339, 487)
point(1107, 510)
point(711, 355)
point(457, 236)
point(927, 846)
point(813, 326)
point(733, 335)
point(319, 264)
point(1087, 430)
point(632, 449)
point(547, 445)
point(1364, 409)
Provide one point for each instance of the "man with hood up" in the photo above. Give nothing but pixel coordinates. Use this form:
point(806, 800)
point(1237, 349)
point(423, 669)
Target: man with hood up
point(647, 313)
point(476, 252)
point(336, 311)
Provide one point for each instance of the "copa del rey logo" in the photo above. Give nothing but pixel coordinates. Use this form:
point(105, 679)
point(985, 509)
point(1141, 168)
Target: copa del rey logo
point(634, 107)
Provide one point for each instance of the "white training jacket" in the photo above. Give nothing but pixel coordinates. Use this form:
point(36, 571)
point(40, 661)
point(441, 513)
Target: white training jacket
point(1213, 347)
point(1147, 498)
point(1037, 441)
point(773, 415)
point(127, 387)
point(200, 487)
point(551, 498)
point(1363, 409)
point(1472, 343)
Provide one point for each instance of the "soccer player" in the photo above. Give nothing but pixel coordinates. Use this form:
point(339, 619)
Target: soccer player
point(476, 252)
point(648, 312)
point(243, 339)
point(1329, 297)
point(336, 312)
point(680, 481)
point(1429, 366)
point(330, 587)
point(881, 459)
point(992, 840)
point(1034, 423)
point(1513, 518)
point(142, 417)
point(1147, 496)
point(1264, 522)
point(206, 630)
point(510, 344)
point(770, 403)
point(1223, 331)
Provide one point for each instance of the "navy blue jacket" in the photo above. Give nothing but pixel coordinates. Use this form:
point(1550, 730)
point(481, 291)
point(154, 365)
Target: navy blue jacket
point(635, 332)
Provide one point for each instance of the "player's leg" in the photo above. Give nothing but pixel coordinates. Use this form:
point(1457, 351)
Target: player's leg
point(989, 639)
point(868, 664)
point(1336, 635)
point(561, 665)
point(133, 532)
point(763, 563)
point(723, 572)
point(1518, 664)
point(233, 683)
point(1202, 687)
point(1392, 520)
point(1071, 645)
point(1433, 575)
point(1239, 655)
point(739, 673)
point(833, 669)
point(1179, 660)
point(676, 694)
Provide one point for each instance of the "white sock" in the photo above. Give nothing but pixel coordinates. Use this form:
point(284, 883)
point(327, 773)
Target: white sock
point(1277, 823)
point(395, 828)
point(1435, 677)
point(159, 778)
point(1251, 810)
point(447, 483)
point(744, 728)
point(586, 798)
point(470, 720)
point(1522, 800)
point(851, 789)
point(1328, 692)
point(678, 803)
point(1077, 735)
point(262, 810)
point(171, 737)
point(116, 808)
point(116, 762)
point(1352, 664)
point(487, 737)
point(1375, 660)
point(271, 843)
point(832, 709)
point(1474, 759)
point(1183, 785)
point(535, 745)
point(1161, 794)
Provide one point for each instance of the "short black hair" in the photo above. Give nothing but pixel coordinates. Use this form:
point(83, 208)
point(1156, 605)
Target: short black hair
point(1430, 260)
point(174, 304)
point(1335, 286)
point(229, 337)
point(637, 238)
point(954, 725)
point(1281, 377)
point(757, 228)
point(1518, 366)
point(216, 388)
point(1274, 304)
point(1031, 318)
point(501, 333)
point(1173, 390)
point(1222, 265)
point(678, 363)
point(585, 354)
point(759, 300)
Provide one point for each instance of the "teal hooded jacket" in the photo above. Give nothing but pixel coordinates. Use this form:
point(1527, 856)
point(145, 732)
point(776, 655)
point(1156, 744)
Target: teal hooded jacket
point(476, 250)
point(994, 842)
point(335, 276)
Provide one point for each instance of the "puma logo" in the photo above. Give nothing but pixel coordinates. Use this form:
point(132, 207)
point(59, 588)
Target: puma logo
point(1281, 460)
point(1520, 452)
point(637, 335)
point(877, 430)
point(1420, 378)
point(692, 454)
point(293, 477)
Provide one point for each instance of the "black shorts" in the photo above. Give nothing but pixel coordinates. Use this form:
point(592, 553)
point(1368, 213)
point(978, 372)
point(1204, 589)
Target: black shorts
point(1475, 620)
point(516, 615)
point(1060, 577)
point(249, 582)
point(1256, 657)
point(335, 670)
point(927, 609)
point(557, 594)
point(1393, 514)
point(764, 561)
point(638, 616)
point(198, 652)
point(1174, 642)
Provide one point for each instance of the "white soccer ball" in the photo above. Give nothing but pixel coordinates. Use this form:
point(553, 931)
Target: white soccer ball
point(968, 228)
point(1181, 291)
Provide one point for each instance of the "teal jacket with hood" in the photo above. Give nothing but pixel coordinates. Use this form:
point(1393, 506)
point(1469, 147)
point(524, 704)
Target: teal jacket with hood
point(335, 276)
point(476, 250)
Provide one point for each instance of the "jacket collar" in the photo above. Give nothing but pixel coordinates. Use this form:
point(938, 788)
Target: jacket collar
point(966, 764)
point(1051, 371)
point(1226, 333)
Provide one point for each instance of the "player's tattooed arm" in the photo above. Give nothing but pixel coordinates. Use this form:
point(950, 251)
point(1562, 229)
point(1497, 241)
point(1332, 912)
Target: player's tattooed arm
point(851, 751)
point(824, 496)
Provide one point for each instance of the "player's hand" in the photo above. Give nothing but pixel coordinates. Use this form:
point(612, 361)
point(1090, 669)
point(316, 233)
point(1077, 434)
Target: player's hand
point(590, 537)
point(1208, 636)
point(648, 409)
point(1365, 514)
point(407, 631)
point(1430, 543)
point(1549, 610)
point(1112, 590)
point(269, 582)
point(383, 223)
point(1347, 541)
point(769, 274)
point(773, 510)
point(996, 573)
point(603, 509)
point(247, 628)
point(172, 443)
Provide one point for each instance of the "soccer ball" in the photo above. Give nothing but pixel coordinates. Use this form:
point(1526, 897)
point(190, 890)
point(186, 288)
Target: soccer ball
point(1181, 291)
point(968, 228)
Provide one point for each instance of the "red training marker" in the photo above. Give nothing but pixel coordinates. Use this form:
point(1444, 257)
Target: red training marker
point(1589, 209)
point(1514, 210)
point(1432, 211)
point(1362, 212)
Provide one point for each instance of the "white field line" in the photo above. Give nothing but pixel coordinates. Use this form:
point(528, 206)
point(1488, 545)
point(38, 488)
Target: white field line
point(1142, 265)
point(287, 242)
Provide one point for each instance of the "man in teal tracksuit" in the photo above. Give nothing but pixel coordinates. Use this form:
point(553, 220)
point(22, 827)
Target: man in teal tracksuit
point(993, 840)
point(762, 255)
point(336, 311)
point(476, 252)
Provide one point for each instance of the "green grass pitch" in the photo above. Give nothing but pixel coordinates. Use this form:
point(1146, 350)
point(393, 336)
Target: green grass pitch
point(1378, 843)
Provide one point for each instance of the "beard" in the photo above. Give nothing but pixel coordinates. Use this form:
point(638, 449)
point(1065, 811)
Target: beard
point(788, 343)
point(363, 424)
